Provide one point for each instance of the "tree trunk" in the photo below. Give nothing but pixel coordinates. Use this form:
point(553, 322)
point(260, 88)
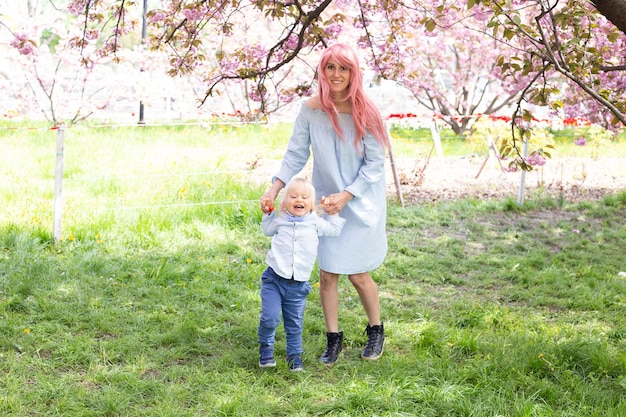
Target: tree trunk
point(32, 7)
point(614, 11)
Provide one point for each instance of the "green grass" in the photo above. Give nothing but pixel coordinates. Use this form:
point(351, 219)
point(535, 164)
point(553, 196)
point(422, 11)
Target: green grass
point(149, 304)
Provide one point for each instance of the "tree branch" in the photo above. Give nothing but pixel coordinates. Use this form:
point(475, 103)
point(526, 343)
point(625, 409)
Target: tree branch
point(309, 19)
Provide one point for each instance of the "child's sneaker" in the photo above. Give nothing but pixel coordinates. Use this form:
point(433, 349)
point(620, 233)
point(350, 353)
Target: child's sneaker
point(295, 363)
point(266, 359)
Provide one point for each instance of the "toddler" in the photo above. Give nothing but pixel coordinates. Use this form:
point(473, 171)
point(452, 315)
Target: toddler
point(295, 228)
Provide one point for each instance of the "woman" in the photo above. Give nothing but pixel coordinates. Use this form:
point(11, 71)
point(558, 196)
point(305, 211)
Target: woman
point(347, 136)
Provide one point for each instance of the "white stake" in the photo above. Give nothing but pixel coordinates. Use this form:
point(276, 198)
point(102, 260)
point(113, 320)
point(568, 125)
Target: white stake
point(58, 184)
point(520, 193)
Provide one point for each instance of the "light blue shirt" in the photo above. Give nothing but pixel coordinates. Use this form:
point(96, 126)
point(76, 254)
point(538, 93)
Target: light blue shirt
point(338, 166)
point(294, 243)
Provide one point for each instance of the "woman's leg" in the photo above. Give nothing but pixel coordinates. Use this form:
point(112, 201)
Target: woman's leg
point(368, 293)
point(329, 297)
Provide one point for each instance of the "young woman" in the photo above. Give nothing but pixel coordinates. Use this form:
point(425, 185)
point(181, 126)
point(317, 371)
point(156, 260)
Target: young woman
point(345, 132)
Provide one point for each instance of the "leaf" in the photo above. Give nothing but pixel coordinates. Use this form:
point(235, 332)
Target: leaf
point(527, 116)
point(614, 36)
point(557, 104)
point(430, 24)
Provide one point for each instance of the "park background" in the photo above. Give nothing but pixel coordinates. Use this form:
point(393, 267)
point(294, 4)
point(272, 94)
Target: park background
point(148, 303)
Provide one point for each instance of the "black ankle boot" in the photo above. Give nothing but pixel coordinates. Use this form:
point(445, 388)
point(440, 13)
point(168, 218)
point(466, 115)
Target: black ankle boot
point(375, 342)
point(334, 346)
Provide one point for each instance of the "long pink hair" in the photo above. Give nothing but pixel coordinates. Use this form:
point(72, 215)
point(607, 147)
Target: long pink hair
point(364, 112)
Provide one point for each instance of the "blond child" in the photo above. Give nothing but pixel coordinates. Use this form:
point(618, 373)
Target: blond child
point(295, 229)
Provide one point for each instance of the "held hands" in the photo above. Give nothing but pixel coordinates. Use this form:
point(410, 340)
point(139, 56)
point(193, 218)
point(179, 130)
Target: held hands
point(267, 204)
point(335, 202)
point(267, 199)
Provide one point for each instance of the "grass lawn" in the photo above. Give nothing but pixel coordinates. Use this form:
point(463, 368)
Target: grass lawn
point(149, 304)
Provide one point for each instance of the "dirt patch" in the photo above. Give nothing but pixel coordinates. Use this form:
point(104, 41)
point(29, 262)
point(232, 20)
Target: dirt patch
point(454, 178)
point(573, 179)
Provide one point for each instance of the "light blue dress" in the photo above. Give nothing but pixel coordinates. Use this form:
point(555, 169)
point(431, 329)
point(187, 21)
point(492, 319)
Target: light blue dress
point(337, 166)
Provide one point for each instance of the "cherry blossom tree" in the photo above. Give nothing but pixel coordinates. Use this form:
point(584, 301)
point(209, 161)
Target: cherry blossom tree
point(568, 42)
point(542, 29)
point(262, 48)
point(452, 72)
point(65, 83)
point(567, 55)
point(573, 58)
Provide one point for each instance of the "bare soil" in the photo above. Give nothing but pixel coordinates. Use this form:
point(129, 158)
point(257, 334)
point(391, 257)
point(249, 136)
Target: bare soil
point(434, 180)
point(573, 179)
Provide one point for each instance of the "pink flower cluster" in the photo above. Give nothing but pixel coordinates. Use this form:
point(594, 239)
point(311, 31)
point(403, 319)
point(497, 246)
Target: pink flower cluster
point(92, 34)
point(23, 44)
point(192, 14)
point(76, 7)
point(292, 42)
point(157, 16)
point(256, 95)
point(334, 30)
point(536, 160)
point(581, 141)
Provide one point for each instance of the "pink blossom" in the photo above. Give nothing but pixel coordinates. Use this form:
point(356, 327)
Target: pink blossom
point(334, 29)
point(192, 14)
point(256, 95)
point(536, 159)
point(92, 34)
point(292, 42)
point(581, 141)
point(23, 44)
point(76, 7)
point(157, 17)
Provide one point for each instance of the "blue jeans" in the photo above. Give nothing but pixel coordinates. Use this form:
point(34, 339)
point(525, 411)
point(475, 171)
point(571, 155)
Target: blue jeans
point(289, 297)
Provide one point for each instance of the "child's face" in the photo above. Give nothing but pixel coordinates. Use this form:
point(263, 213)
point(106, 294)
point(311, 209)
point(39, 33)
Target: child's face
point(298, 201)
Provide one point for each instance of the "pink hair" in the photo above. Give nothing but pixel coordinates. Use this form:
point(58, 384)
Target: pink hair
point(364, 112)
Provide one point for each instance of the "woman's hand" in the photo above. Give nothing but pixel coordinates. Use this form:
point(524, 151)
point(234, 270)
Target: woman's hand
point(267, 199)
point(267, 204)
point(335, 202)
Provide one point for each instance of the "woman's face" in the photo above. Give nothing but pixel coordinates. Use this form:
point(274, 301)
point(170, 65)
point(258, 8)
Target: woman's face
point(338, 77)
point(298, 201)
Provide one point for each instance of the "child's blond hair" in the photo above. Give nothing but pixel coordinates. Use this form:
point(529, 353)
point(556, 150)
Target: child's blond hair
point(309, 188)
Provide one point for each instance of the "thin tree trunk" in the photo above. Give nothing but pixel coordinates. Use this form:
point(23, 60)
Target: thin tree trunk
point(32, 7)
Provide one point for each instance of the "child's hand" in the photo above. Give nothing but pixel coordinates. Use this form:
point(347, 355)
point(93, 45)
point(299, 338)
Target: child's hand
point(324, 201)
point(335, 202)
